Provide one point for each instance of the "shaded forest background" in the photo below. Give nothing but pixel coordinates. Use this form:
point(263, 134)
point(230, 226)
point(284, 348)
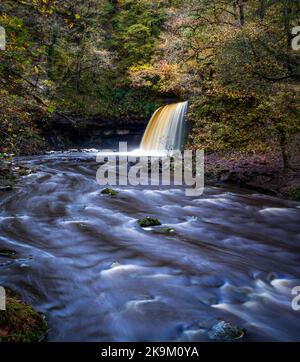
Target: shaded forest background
point(121, 59)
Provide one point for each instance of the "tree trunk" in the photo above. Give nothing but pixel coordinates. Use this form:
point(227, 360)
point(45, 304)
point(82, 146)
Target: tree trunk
point(51, 48)
point(241, 12)
point(78, 76)
point(287, 28)
point(284, 151)
point(262, 9)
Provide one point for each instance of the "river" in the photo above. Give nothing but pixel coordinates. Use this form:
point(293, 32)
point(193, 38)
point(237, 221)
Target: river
point(84, 262)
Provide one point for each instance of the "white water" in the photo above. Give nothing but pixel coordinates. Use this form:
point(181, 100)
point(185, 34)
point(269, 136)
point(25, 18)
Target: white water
point(84, 262)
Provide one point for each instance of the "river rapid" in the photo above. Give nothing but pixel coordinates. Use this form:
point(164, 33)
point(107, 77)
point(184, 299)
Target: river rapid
point(84, 262)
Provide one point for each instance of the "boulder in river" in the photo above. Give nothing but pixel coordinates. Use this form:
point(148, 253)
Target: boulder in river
point(225, 332)
point(148, 221)
point(109, 192)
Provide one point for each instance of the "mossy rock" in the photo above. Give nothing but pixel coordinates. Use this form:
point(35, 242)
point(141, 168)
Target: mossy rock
point(226, 332)
point(294, 193)
point(148, 221)
point(7, 253)
point(21, 323)
point(24, 171)
point(109, 192)
point(7, 176)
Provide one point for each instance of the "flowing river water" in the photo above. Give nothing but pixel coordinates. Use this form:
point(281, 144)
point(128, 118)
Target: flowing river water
point(84, 262)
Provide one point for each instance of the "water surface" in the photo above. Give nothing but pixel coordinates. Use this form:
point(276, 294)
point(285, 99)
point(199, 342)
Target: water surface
point(97, 276)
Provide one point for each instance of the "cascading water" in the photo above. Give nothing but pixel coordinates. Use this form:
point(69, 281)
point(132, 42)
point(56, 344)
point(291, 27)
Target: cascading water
point(166, 128)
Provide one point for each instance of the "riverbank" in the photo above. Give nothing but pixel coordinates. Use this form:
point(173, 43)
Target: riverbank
point(263, 173)
point(20, 322)
point(10, 173)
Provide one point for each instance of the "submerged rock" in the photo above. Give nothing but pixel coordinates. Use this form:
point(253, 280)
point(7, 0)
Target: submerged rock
point(115, 264)
point(164, 230)
point(109, 192)
point(8, 253)
point(21, 323)
point(191, 218)
point(225, 332)
point(148, 221)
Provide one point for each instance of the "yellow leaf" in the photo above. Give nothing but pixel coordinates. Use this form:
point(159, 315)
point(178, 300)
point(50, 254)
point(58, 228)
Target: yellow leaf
point(77, 16)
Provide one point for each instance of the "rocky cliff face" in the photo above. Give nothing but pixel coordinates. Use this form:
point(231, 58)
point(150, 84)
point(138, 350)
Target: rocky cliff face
point(64, 132)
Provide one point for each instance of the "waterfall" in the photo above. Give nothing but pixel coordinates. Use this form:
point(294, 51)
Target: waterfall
point(166, 129)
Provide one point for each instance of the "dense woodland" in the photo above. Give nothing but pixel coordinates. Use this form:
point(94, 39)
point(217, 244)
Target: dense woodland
point(116, 59)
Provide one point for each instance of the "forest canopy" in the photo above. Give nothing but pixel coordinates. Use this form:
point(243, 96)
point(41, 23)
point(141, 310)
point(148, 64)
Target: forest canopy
point(232, 59)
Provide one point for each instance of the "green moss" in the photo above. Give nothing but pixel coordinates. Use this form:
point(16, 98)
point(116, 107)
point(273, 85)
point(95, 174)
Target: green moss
point(110, 192)
point(294, 193)
point(21, 323)
point(148, 221)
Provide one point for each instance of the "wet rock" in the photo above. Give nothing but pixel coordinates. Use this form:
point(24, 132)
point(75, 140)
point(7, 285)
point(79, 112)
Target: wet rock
point(20, 322)
point(164, 230)
point(7, 177)
point(8, 253)
point(24, 171)
point(109, 192)
point(225, 332)
point(271, 277)
point(191, 218)
point(294, 193)
point(115, 264)
point(6, 188)
point(10, 173)
point(148, 221)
